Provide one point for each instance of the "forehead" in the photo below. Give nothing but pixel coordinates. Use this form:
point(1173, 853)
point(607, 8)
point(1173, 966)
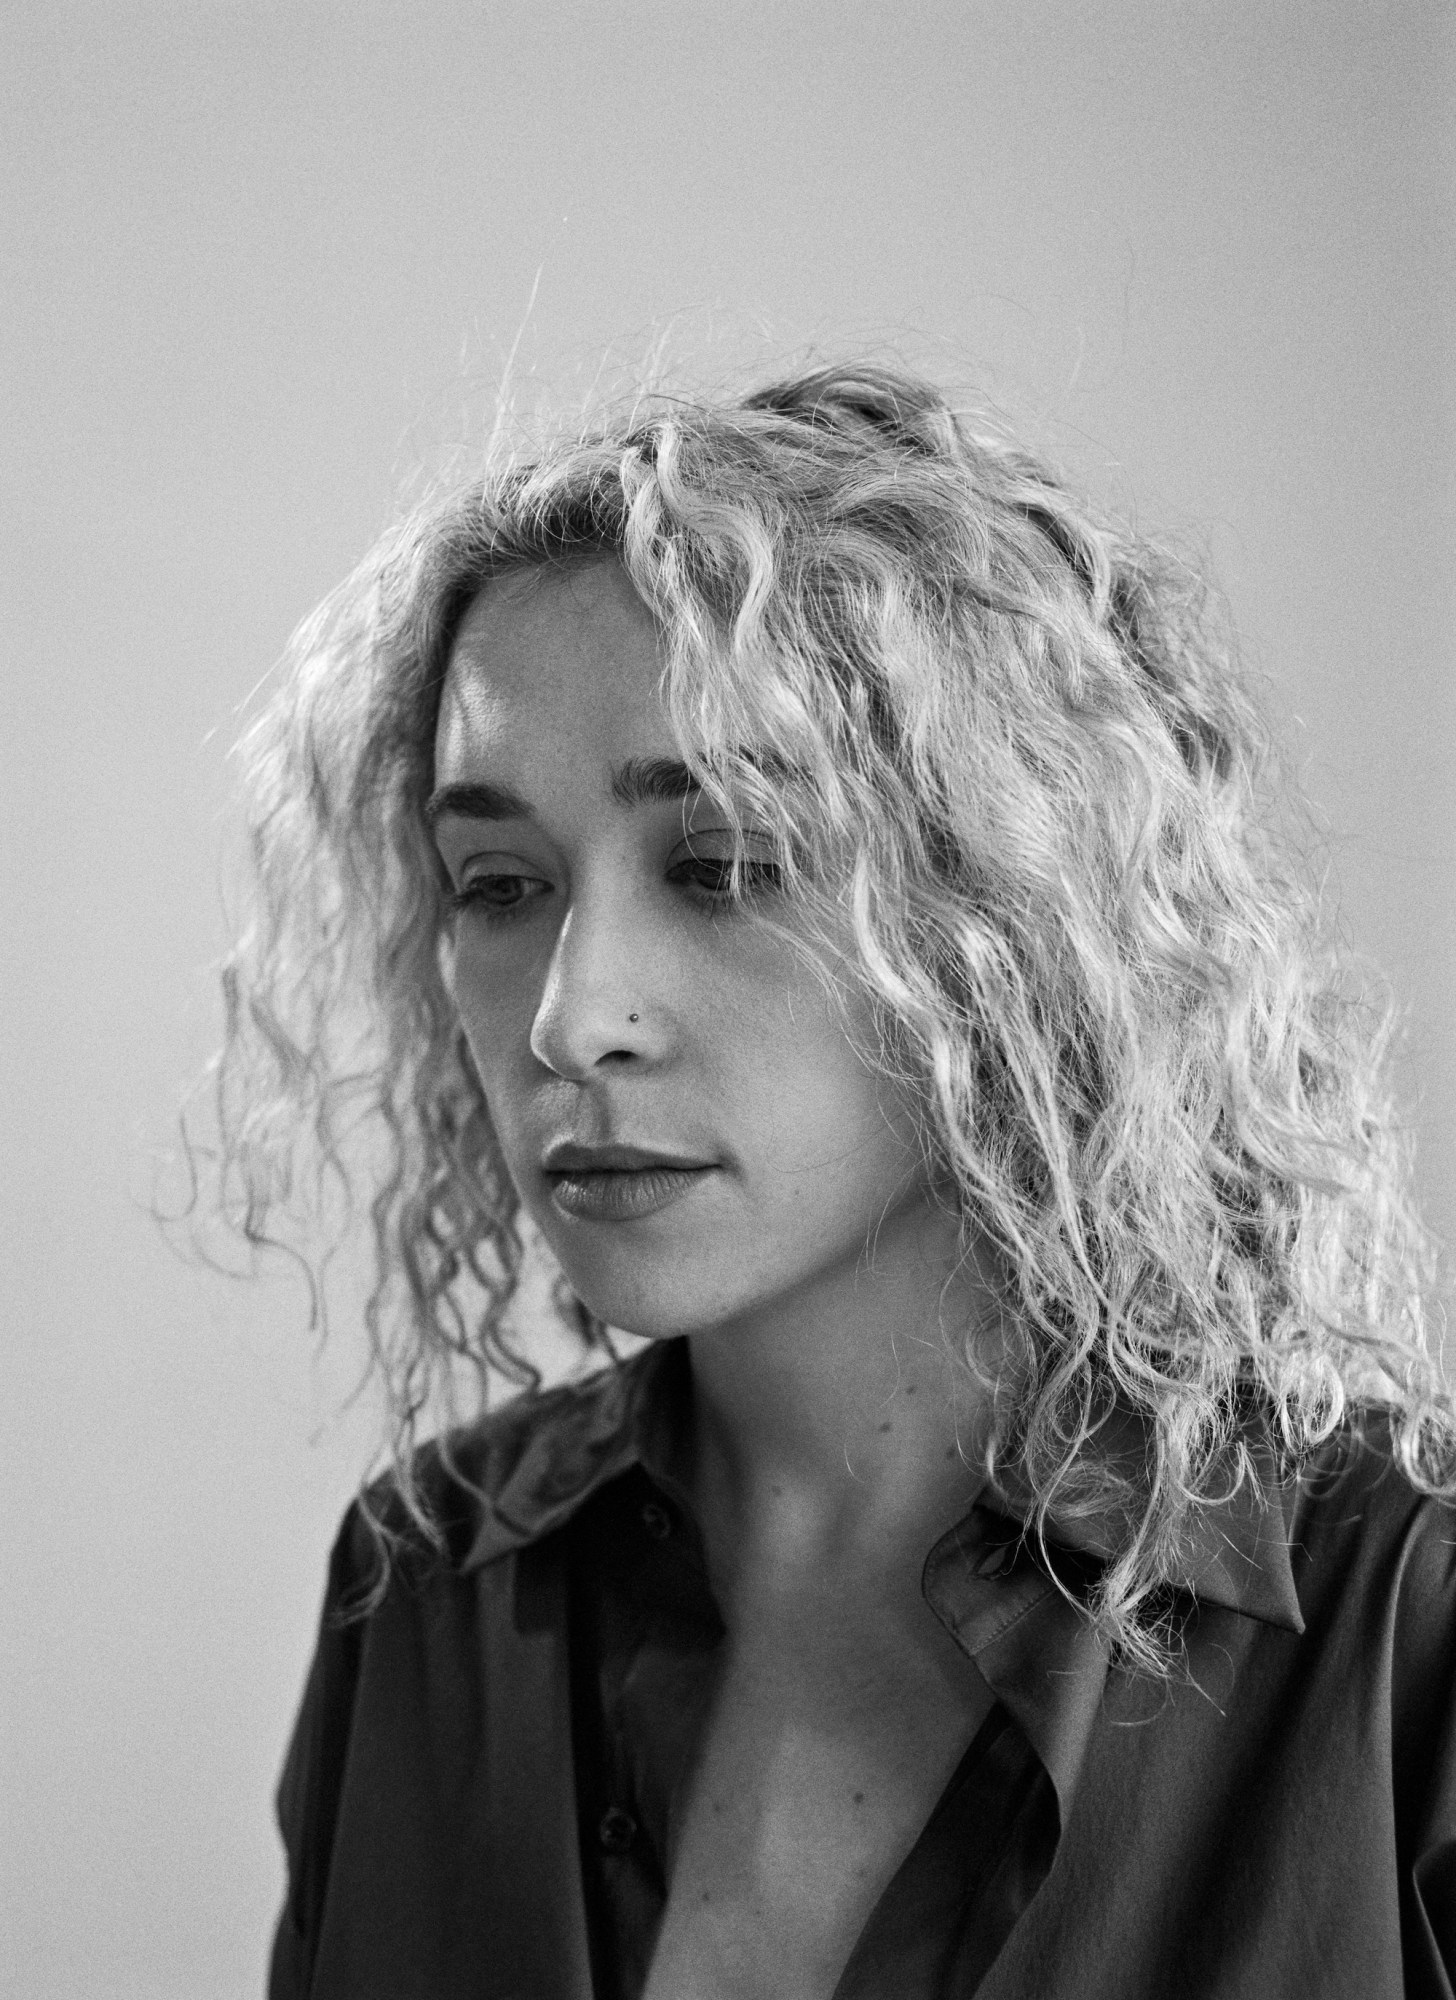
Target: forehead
point(547, 655)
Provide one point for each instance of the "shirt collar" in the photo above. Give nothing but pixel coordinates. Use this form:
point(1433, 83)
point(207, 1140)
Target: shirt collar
point(531, 1465)
point(1043, 1659)
point(543, 1456)
point(536, 1462)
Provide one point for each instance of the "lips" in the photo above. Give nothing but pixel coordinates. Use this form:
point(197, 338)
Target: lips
point(569, 1159)
point(619, 1183)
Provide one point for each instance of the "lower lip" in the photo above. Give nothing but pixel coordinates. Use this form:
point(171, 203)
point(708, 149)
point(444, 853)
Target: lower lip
point(622, 1196)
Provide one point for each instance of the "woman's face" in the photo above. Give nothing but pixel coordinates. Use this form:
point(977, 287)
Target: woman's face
point(613, 997)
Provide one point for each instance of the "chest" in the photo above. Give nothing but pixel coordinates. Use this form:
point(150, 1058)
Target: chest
point(822, 1756)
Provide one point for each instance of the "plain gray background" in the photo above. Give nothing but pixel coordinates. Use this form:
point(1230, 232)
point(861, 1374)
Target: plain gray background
point(261, 264)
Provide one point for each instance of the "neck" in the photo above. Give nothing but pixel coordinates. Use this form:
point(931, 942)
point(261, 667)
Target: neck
point(837, 1429)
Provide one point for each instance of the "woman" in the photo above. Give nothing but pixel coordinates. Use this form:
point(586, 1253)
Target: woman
point(795, 857)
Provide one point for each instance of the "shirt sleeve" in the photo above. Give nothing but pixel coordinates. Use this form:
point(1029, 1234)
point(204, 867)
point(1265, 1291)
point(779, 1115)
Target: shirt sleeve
point(1423, 1745)
point(312, 1777)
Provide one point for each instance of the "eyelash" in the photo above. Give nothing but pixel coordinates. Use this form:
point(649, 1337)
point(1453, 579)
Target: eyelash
point(757, 875)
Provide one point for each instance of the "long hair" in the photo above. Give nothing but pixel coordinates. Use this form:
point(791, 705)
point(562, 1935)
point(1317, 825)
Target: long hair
point(1007, 743)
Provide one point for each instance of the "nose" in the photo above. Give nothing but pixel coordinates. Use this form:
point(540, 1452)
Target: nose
point(595, 1006)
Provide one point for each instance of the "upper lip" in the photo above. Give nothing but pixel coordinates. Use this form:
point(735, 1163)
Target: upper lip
point(564, 1158)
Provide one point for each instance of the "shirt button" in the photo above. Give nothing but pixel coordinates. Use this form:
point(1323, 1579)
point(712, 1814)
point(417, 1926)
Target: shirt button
point(616, 1830)
point(657, 1521)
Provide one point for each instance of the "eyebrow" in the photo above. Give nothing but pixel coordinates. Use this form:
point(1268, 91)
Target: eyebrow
point(640, 781)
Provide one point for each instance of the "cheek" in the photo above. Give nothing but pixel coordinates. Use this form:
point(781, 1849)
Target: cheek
point(496, 1009)
point(824, 1114)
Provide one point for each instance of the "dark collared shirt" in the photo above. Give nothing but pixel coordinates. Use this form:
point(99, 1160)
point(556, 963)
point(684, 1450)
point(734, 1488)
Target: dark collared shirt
point(479, 1796)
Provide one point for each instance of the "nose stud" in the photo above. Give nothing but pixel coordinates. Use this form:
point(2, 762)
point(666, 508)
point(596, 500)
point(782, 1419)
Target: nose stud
point(631, 1017)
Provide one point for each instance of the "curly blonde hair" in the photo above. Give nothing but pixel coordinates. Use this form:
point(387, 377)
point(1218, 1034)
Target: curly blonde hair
point(1006, 740)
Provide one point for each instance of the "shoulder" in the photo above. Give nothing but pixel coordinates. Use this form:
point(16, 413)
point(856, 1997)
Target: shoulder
point(1357, 1485)
point(1361, 1530)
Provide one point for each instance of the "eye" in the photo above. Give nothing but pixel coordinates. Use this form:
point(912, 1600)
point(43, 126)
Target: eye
point(712, 875)
point(497, 894)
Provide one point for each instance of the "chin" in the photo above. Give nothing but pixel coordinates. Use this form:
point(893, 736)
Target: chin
point(648, 1311)
point(655, 1295)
